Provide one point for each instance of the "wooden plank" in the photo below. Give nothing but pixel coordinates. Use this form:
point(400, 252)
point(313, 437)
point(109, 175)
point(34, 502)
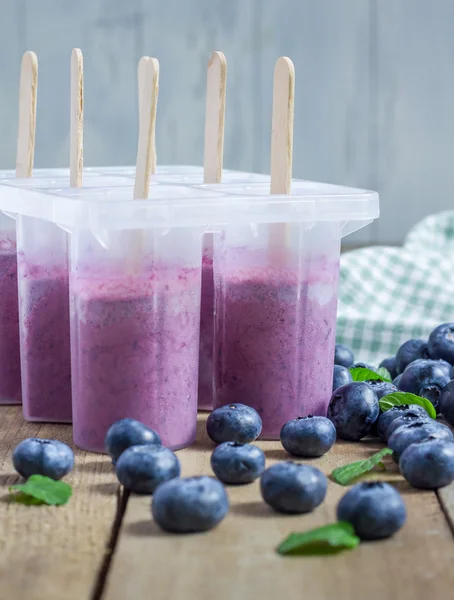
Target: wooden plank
point(107, 33)
point(237, 560)
point(414, 123)
point(50, 553)
point(198, 29)
point(12, 47)
point(328, 42)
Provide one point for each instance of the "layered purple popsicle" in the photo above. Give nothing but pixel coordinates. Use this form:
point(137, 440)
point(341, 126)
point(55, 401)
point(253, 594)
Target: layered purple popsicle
point(10, 377)
point(205, 397)
point(274, 340)
point(45, 342)
point(135, 346)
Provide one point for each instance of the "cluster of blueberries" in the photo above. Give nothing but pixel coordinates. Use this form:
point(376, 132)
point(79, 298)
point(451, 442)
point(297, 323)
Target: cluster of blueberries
point(423, 448)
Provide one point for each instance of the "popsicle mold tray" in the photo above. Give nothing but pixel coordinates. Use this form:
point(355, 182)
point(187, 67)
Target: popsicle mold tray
point(127, 342)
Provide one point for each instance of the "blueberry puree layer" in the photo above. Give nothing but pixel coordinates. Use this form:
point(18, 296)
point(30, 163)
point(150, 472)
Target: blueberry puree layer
point(274, 341)
point(10, 379)
point(206, 335)
point(46, 359)
point(135, 347)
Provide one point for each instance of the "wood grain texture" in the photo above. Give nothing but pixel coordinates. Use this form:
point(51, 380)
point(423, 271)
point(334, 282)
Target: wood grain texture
point(237, 560)
point(215, 118)
point(414, 121)
point(282, 126)
point(148, 85)
point(50, 553)
point(76, 131)
point(28, 91)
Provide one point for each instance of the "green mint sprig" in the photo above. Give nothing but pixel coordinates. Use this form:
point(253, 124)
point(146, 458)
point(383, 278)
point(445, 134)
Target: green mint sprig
point(348, 473)
point(39, 489)
point(398, 398)
point(362, 374)
point(329, 539)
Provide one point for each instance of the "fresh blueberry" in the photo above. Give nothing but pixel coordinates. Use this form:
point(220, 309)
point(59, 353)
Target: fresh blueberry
point(382, 388)
point(141, 469)
point(446, 403)
point(445, 365)
point(353, 409)
point(437, 362)
point(425, 378)
point(417, 432)
point(441, 342)
point(234, 423)
point(36, 456)
point(308, 437)
point(395, 412)
point(428, 464)
point(390, 365)
point(190, 504)
point(375, 509)
point(293, 488)
point(126, 433)
point(451, 374)
point(409, 352)
point(396, 381)
point(343, 356)
point(363, 365)
point(412, 413)
point(237, 463)
point(341, 376)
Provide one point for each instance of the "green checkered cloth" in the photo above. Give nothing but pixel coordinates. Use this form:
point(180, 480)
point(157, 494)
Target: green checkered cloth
point(389, 295)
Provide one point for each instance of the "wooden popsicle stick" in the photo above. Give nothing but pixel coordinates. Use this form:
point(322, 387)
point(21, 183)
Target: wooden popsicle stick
point(148, 75)
point(215, 118)
point(76, 130)
point(27, 115)
point(282, 126)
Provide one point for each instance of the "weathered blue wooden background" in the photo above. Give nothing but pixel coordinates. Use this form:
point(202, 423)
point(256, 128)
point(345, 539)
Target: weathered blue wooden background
point(374, 88)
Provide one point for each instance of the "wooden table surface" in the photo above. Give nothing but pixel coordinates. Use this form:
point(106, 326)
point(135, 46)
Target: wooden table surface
point(103, 544)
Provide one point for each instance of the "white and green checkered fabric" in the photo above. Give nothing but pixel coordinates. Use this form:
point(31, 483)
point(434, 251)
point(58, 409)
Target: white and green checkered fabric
point(389, 295)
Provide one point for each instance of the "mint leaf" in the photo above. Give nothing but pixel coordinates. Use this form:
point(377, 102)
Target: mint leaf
point(361, 374)
point(348, 473)
point(328, 539)
point(398, 398)
point(41, 490)
point(384, 373)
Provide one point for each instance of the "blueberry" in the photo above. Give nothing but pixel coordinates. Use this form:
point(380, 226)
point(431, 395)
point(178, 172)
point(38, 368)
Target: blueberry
point(234, 423)
point(417, 432)
point(353, 409)
point(308, 437)
point(293, 488)
point(446, 403)
point(190, 504)
point(428, 464)
point(237, 463)
point(375, 509)
point(390, 365)
point(381, 388)
point(412, 413)
point(396, 381)
point(363, 365)
point(410, 351)
point(395, 412)
point(343, 356)
point(341, 376)
point(126, 433)
point(441, 342)
point(36, 456)
point(141, 469)
point(451, 374)
point(425, 378)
